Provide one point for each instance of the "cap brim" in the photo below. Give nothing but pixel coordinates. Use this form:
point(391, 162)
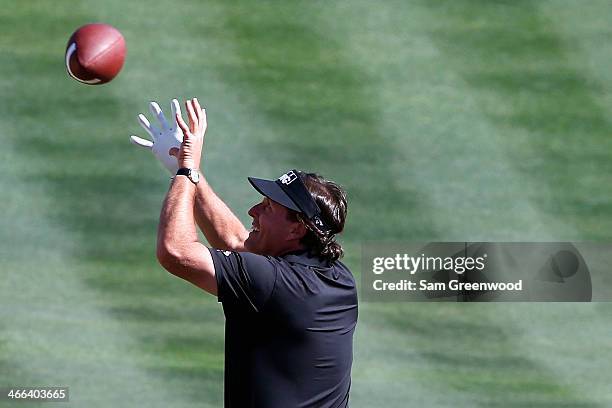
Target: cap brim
point(274, 192)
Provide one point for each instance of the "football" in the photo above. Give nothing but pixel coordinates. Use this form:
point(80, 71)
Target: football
point(95, 53)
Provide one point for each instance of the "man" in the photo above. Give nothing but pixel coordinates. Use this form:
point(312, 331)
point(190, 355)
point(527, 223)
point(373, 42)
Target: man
point(290, 305)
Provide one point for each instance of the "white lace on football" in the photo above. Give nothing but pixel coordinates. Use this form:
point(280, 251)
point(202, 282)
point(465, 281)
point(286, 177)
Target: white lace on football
point(71, 50)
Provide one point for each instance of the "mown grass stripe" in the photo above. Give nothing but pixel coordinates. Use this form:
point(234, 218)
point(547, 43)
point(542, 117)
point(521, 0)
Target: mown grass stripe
point(372, 96)
point(60, 326)
point(531, 85)
point(414, 74)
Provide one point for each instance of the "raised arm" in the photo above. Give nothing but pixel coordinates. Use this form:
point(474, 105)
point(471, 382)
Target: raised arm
point(220, 226)
point(178, 248)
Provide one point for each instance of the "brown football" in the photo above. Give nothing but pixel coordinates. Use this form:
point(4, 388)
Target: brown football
point(95, 53)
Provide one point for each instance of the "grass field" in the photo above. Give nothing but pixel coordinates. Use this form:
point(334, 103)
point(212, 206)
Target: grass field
point(449, 120)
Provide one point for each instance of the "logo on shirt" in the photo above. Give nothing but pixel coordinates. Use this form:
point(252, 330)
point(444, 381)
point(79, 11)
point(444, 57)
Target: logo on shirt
point(288, 177)
point(226, 253)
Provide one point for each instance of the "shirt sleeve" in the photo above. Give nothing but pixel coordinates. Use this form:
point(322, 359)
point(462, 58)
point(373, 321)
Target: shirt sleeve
point(245, 281)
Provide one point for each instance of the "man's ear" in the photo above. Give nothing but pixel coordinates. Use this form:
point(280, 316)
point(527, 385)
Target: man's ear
point(297, 230)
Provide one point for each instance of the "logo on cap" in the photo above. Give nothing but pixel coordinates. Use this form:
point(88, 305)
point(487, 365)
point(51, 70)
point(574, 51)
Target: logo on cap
point(288, 177)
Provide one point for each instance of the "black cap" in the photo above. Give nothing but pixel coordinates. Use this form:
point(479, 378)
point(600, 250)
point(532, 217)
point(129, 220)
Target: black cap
point(289, 191)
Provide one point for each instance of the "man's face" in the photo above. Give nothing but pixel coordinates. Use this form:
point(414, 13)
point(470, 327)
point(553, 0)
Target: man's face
point(274, 232)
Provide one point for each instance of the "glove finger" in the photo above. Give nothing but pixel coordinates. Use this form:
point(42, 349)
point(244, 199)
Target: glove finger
point(176, 109)
point(152, 130)
point(146, 125)
point(138, 141)
point(156, 110)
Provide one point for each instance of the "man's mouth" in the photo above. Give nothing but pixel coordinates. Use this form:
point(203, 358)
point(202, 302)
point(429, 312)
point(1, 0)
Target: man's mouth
point(254, 228)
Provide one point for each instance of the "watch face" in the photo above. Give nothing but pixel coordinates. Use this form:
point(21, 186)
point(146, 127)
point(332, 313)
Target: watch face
point(194, 175)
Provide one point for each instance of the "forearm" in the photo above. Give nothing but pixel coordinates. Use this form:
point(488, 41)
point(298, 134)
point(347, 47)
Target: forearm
point(220, 226)
point(176, 224)
point(178, 249)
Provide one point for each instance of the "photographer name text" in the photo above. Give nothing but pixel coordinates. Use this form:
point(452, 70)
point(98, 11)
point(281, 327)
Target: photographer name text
point(411, 265)
point(453, 284)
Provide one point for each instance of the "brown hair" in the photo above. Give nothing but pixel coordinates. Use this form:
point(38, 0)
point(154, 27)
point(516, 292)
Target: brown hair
point(331, 199)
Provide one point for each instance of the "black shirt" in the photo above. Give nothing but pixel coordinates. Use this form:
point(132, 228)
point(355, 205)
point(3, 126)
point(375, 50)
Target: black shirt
point(288, 331)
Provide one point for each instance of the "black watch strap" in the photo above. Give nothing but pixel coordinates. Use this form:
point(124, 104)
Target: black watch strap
point(192, 174)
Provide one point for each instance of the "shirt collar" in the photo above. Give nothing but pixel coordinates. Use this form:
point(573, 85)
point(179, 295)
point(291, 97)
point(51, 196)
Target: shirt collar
point(304, 257)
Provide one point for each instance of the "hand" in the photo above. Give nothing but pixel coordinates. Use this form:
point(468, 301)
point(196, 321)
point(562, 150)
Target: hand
point(190, 151)
point(166, 138)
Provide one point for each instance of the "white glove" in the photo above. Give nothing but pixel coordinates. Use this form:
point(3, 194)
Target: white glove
point(167, 137)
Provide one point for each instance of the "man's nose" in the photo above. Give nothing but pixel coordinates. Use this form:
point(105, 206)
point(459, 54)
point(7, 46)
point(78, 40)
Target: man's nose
point(253, 211)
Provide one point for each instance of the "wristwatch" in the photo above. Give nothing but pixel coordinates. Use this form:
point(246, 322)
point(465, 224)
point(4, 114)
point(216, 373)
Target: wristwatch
point(192, 174)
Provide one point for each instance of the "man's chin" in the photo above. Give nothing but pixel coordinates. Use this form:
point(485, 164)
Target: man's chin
point(250, 243)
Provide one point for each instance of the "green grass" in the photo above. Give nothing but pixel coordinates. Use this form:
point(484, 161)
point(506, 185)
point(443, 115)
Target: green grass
point(450, 120)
